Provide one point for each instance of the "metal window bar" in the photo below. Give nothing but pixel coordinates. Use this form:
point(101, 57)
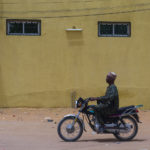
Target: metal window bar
point(113, 30)
point(23, 28)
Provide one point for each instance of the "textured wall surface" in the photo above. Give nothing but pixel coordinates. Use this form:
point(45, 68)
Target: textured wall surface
point(53, 69)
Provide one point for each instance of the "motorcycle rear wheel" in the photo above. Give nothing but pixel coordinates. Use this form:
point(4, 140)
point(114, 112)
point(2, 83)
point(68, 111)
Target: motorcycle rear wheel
point(134, 126)
point(62, 128)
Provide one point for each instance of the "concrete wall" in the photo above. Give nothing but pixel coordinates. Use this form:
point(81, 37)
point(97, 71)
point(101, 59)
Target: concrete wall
point(53, 69)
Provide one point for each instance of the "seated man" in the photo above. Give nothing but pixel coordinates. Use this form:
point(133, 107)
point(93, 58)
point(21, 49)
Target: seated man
point(107, 104)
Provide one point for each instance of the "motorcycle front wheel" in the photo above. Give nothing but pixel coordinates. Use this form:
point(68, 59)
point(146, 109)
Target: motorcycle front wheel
point(67, 132)
point(131, 129)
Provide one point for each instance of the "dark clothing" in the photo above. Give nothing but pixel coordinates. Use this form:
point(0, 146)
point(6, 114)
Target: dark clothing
point(111, 99)
point(107, 104)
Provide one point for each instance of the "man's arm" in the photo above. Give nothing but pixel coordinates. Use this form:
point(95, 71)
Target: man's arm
point(110, 94)
point(94, 98)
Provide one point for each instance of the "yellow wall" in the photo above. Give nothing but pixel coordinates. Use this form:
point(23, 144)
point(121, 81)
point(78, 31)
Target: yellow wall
point(52, 69)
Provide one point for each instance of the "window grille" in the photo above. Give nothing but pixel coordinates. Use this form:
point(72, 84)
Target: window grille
point(114, 29)
point(23, 27)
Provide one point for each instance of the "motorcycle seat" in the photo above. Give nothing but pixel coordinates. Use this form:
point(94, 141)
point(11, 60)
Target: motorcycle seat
point(121, 110)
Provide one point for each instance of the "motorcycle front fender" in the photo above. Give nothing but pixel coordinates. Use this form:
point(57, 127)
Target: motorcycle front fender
point(81, 120)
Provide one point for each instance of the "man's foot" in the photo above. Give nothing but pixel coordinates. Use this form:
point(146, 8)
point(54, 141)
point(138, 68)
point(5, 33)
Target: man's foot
point(99, 128)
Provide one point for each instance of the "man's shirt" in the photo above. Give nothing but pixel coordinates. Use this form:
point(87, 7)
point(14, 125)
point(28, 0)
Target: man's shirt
point(111, 98)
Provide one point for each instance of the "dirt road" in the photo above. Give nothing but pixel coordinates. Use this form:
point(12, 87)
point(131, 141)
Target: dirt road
point(28, 129)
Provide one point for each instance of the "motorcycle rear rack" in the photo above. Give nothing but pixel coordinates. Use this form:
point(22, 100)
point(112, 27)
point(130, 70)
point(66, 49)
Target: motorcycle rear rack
point(130, 111)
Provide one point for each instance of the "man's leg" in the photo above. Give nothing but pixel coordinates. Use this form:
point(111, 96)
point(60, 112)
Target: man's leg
point(99, 124)
point(100, 112)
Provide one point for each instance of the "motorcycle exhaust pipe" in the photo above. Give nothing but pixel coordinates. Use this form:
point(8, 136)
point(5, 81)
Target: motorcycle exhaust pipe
point(113, 128)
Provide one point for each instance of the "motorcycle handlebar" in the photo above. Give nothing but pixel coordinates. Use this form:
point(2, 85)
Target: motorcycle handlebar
point(86, 100)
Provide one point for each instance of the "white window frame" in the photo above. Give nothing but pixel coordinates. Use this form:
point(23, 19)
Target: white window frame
point(8, 21)
point(113, 34)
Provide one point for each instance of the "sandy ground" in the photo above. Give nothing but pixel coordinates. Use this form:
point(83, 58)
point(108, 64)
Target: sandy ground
point(28, 129)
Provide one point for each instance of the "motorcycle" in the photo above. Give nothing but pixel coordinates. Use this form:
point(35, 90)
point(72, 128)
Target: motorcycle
point(123, 124)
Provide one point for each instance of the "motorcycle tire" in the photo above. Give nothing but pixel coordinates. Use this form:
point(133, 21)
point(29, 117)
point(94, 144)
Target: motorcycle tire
point(61, 134)
point(119, 137)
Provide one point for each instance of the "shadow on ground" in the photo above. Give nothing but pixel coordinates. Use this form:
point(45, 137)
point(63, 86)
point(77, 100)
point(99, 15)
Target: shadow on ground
point(110, 140)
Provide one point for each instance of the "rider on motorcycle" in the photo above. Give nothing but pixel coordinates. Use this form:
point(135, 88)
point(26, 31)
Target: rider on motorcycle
point(107, 104)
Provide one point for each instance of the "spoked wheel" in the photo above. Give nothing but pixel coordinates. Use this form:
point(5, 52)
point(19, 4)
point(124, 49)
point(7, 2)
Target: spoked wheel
point(127, 131)
point(67, 132)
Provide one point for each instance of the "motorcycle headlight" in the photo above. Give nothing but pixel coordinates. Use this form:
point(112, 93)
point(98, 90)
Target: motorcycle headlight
point(78, 104)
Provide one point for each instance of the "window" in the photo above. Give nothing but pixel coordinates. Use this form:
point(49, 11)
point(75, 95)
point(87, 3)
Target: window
point(23, 27)
point(114, 29)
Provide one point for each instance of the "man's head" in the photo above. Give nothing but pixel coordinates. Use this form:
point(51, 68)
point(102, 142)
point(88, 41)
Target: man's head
point(110, 78)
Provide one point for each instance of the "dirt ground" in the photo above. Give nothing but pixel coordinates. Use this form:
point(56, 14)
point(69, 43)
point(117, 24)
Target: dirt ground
point(29, 129)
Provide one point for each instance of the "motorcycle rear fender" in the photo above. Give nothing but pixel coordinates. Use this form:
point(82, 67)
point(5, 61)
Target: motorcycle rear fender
point(136, 118)
point(81, 120)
